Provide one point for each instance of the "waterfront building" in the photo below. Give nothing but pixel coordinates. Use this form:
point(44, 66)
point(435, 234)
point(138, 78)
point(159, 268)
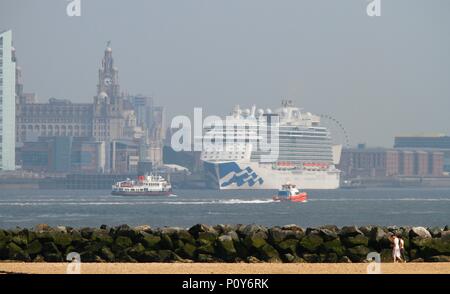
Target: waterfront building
point(387, 163)
point(118, 130)
point(56, 118)
point(437, 142)
point(7, 102)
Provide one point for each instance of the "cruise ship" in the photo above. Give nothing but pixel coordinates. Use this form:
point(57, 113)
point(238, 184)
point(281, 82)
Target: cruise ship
point(306, 155)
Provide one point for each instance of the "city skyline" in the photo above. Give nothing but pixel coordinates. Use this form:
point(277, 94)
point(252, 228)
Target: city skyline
point(326, 67)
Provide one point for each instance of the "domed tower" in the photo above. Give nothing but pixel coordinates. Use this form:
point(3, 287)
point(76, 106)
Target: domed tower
point(108, 76)
point(108, 103)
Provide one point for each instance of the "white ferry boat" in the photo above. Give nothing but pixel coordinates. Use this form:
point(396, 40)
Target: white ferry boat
point(306, 154)
point(151, 185)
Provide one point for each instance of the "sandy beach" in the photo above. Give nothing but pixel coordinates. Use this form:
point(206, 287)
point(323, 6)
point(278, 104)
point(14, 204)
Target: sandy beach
point(224, 268)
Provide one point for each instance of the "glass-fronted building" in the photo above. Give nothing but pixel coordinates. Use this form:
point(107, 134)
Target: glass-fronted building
point(7, 102)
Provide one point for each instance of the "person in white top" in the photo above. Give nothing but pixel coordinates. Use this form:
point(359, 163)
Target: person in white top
point(396, 253)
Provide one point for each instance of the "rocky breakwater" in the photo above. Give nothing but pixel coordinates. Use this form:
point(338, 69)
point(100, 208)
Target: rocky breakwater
point(221, 243)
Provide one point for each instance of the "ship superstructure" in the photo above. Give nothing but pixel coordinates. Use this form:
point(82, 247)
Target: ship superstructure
point(305, 153)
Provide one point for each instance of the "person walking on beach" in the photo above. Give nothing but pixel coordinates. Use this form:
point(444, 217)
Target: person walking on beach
point(402, 248)
point(396, 255)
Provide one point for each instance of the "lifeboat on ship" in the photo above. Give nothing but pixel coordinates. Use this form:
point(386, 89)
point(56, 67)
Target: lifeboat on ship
point(290, 192)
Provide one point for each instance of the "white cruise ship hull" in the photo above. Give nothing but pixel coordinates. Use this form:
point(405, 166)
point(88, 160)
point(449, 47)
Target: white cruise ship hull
point(229, 175)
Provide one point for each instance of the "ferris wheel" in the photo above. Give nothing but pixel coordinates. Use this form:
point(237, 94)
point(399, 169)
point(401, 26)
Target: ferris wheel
point(339, 135)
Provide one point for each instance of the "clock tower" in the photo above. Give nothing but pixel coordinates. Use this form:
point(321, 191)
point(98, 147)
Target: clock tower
point(108, 104)
point(108, 76)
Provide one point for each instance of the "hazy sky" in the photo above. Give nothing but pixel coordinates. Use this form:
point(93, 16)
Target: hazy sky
point(379, 76)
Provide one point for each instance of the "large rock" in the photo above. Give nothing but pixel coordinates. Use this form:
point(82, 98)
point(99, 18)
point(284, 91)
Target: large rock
point(87, 232)
point(253, 259)
point(365, 230)
point(268, 253)
point(332, 228)
point(311, 257)
point(51, 252)
point(255, 240)
point(50, 247)
point(61, 229)
point(432, 247)
point(53, 257)
point(178, 244)
point(34, 247)
point(435, 232)
point(93, 249)
point(166, 242)
point(288, 246)
point(445, 236)
point(378, 238)
point(143, 228)
point(420, 232)
point(226, 248)
point(107, 255)
point(102, 236)
point(184, 236)
point(224, 229)
point(62, 240)
point(169, 256)
point(277, 235)
point(206, 258)
point(120, 256)
point(311, 243)
point(150, 256)
point(328, 234)
point(151, 241)
point(3, 235)
point(20, 240)
point(126, 231)
point(344, 259)
point(242, 250)
point(233, 236)
point(413, 254)
point(42, 228)
point(386, 255)
point(209, 237)
point(350, 231)
point(438, 258)
point(334, 246)
point(332, 257)
point(294, 228)
point(136, 251)
point(355, 241)
point(188, 251)
point(44, 236)
point(123, 242)
point(251, 230)
point(200, 228)
point(16, 253)
point(206, 249)
point(312, 231)
point(358, 253)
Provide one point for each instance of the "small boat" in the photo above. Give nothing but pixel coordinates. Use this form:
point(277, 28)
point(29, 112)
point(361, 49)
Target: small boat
point(151, 185)
point(289, 192)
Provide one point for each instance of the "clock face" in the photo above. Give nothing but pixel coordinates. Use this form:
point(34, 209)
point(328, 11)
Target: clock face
point(107, 81)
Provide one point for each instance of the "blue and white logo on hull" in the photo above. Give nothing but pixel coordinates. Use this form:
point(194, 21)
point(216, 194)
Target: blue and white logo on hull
point(230, 173)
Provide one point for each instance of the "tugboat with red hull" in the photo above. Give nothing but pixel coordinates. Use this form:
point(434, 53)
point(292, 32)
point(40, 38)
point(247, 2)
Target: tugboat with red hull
point(289, 192)
point(150, 185)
